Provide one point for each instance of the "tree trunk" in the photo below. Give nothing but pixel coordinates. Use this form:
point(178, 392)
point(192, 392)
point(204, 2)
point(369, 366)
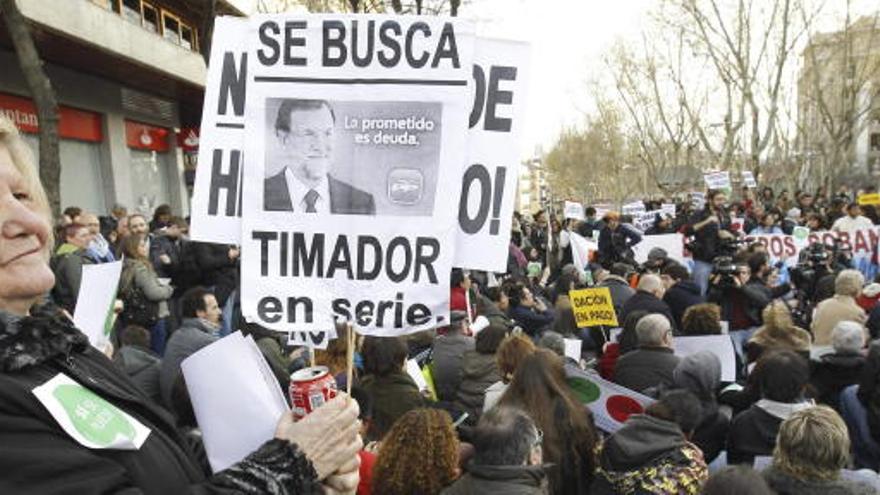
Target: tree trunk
point(44, 99)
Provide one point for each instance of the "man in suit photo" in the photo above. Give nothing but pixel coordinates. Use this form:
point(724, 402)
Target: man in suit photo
point(304, 129)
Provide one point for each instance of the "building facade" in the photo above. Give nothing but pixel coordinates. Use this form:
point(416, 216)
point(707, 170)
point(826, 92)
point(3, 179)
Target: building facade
point(839, 102)
point(129, 79)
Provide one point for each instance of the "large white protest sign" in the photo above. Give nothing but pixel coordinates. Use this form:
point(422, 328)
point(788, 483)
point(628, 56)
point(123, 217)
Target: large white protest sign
point(633, 208)
point(644, 220)
point(353, 154)
point(581, 249)
point(673, 244)
point(216, 201)
point(668, 209)
point(237, 405)
point(488, 184)
point(749, 179)
point(94, 303)
point(720, 345)
point(717, 180)
point(573, 209)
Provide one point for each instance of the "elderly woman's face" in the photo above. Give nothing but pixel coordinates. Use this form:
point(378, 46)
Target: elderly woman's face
point(24, 232)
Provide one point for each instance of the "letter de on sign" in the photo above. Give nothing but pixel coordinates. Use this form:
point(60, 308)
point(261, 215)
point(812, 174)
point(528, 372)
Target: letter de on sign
point(490, 96)
point(593, 307)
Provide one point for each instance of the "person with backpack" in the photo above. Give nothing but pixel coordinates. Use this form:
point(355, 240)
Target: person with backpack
point(144, 297)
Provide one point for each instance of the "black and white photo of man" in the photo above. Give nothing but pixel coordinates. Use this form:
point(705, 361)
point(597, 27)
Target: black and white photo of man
point(305, 132)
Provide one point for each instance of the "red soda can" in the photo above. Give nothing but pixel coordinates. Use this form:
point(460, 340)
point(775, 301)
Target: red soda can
point(309, 389)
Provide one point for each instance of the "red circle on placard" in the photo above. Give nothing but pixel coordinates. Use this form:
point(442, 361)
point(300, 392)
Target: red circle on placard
point(620, 407)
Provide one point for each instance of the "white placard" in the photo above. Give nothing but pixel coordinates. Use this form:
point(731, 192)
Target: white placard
point(573, 210)
point(717, 180)
point(351, 161)
point(698, 200)
point(749, 179)
point(644, 220)
point(610, 403)
point(668, 209)
point(673, 244)
point(238, 404)
point(720, 345)
point(414, 372)
point(573, 349)
point(633, 208)
point(94, 303)
point(581, 249)
point(216, 200)
point(498, 84)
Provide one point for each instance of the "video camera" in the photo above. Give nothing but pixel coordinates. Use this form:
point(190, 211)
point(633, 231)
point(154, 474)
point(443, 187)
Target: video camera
point(726, 270)
point(813, 260)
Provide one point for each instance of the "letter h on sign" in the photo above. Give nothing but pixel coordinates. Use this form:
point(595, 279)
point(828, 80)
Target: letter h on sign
point(228, 182)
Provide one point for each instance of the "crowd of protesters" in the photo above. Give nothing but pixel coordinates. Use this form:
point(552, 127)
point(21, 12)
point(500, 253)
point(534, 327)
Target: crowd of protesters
point(500, 413)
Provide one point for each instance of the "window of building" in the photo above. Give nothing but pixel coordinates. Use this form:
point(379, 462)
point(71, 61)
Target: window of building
point(875, 141)
point(151, 18)
point(187, 37)
point(171, 27)
point(131, 11)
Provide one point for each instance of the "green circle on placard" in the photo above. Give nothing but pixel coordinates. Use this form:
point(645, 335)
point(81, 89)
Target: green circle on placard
point(585, 390)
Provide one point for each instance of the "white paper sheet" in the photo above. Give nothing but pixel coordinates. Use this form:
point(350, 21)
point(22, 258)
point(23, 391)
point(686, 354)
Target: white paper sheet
point(720, 345)
point(573, 349)
point(413, 370)
point(237, 406)
point(94, 303)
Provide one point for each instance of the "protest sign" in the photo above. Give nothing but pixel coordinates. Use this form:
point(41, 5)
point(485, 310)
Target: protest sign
point(673, 244)
point(720, 345)
point(573, 210)
point(698, 200)
point(861, 242)
point(581, 249)
point(602, 209)
point(644, 220)
point(488, 184)
point(237, 405)
point(717, 180)
point(319, 339)
point(869, 199)
point(353, 155)
point(216, 200)
point(93, 314)
point(610, 403)
point(573, 348)
point(593, 307)
point(749, 179)
point(668, 209)
point(633, 208)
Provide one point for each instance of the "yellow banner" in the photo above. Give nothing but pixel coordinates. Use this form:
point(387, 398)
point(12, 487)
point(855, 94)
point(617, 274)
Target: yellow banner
point(869, 199)
point(593, 307)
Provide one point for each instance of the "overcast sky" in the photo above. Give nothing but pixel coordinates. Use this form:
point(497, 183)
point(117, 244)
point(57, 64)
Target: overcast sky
point(568, 38)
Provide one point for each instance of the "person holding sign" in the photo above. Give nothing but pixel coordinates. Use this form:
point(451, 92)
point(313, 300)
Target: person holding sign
point(304, 129)
point(74, 422)
point(616, 240)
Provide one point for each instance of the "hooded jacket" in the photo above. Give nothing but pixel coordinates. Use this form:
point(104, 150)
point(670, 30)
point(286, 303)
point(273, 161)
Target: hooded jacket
point(38, 456)
point(500, 480)
point(649, 455)
point(680, 297)
point(700, 373)
point(478, 373)
point(142, 366)
point(753, 431)
point(834, 372)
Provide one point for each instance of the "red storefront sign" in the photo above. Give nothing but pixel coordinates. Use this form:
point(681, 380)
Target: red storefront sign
point(73, 123)
point(142, 136)
point(188, 139)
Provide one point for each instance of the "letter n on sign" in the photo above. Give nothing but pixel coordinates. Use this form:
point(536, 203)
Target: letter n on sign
point(593, 307)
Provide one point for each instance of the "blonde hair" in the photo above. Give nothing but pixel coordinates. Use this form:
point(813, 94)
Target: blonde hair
point(849, 283)
point(812, 445)
point(23, 161)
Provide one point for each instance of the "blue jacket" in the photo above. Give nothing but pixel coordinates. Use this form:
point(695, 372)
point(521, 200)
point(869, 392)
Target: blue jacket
point(531, 321)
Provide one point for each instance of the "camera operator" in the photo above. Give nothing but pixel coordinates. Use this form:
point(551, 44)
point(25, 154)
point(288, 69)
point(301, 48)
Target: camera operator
point(616, 240)
point(813, 277)
point(709, 227)
point(759, 265)
point(741, 302)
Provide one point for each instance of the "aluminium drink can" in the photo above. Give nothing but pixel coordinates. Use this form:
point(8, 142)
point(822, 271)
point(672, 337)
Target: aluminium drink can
point(309, 389)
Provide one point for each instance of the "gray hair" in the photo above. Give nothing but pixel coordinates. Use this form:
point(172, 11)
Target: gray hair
point(652, 328)
point(553, 341)
point(650, 283)
point(849, 283)
point(848, 337)
point(504, 437)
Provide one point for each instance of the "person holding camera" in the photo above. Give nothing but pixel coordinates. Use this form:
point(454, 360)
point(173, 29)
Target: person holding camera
point(709, 227)
point(616, 240)
point(741, 302)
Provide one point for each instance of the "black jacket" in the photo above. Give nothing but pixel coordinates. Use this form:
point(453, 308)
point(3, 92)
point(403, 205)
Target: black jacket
point(645, 301)
point(752, 433)
point(218, 271)
point(621, 292)
point(645, 368)
point(680, 297)
point(616, 245)
point(747, 301)
point(500, 480)
point(344, 198)
point(706, 241)
point(37, 456)
point(834, 372)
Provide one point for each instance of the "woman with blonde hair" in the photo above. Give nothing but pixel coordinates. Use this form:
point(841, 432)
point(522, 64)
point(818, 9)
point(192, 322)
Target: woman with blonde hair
point(778, 332)
point(419, 455)
point(40, 347)
point(812, 450)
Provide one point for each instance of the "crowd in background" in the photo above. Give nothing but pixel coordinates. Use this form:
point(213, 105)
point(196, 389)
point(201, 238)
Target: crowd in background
point(501, 415)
